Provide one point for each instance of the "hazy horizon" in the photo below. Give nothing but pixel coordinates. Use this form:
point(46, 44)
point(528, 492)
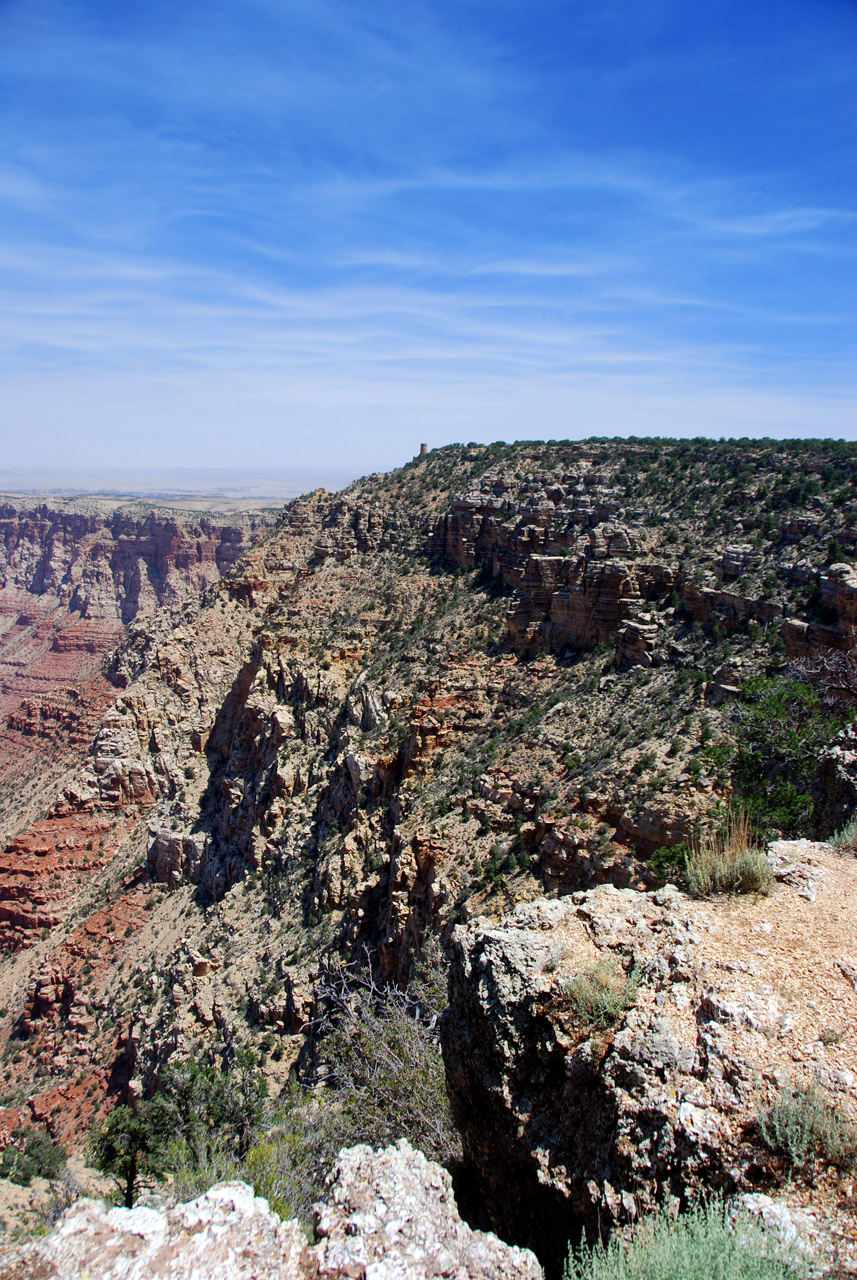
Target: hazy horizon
point(217, 486)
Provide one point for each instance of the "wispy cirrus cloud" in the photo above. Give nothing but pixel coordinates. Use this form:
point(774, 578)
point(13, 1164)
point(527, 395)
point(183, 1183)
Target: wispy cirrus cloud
point(283, 210)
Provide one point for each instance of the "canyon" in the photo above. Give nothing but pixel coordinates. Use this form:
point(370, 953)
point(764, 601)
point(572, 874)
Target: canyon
point(468, 699)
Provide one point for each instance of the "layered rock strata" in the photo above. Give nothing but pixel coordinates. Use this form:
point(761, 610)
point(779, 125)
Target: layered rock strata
point(102, 559)
point(581, 577)
point(74, 573)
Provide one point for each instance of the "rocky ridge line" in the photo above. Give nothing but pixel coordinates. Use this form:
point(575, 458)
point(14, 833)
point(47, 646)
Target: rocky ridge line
point(389, 1215)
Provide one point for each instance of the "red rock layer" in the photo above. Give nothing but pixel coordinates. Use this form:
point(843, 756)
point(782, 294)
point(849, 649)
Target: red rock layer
point(41, 868)
point(52, 694)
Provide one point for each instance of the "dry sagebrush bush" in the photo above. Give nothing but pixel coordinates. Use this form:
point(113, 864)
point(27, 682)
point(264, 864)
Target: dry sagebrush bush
point(705, 1242)
point(728, 859)
point(600, 995)
point(804, 1125)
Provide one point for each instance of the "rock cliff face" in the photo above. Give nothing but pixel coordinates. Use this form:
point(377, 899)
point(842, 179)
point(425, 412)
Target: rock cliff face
point(111, 560)
point(570, 1125)
point(74, 575)
point(388, 1213)
point(581, 577)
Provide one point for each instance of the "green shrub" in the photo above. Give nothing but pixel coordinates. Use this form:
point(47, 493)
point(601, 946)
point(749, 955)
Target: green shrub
point(382, 1055)
point(728, 860)
point(207, 1107)
point(600, 995)
point(669, 861)
point(845, 841)
point(782, 728)
point(130, 1146)
point(289, 1164)
point(31, 1153)
point(382, 1071)
point(191, 1175)
point(644, 762)
point(702, 1244)
point(803, 1125)
point(196, 1126)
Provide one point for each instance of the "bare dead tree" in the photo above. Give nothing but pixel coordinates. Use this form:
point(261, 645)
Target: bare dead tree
point(833, 675)
point(341, 987)
point(376, 1048)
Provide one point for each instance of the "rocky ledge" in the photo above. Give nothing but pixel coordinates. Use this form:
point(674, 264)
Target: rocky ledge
point(574, 1123)
point(389, 1215)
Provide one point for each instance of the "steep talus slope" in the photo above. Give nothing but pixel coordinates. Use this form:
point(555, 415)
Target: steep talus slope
point(494, 672)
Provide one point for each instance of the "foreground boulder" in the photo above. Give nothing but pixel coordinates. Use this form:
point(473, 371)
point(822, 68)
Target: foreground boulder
point(389, 1214)
point(227, 1234)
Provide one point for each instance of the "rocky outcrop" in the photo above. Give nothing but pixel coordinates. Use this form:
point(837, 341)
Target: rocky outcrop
point(393, 1212)
point(574, 1123)
point(226, 1234)
point(565, 1125)
point(40, 868)
point(389, 1213)
point(837, 587)
point(173, 855)
point(839, 594)
point(580, 577)
point(576, 601)
point(559, 548)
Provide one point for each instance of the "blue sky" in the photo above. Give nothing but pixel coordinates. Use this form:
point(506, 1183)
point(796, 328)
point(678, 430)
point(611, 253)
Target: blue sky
point(279, 233)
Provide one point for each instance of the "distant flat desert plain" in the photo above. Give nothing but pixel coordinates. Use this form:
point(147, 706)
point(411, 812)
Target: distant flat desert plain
point(210, 489)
